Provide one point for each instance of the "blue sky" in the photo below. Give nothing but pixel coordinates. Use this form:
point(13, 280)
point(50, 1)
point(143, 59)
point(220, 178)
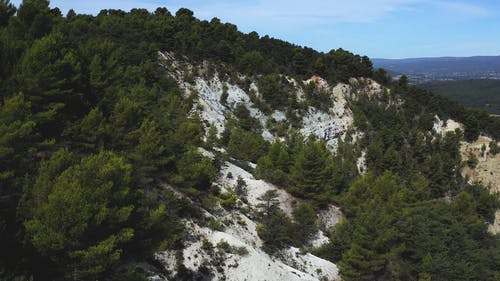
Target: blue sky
point(376, 28)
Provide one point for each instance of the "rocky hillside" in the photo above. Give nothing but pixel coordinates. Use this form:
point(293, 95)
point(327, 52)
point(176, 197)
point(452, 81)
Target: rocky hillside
point(485, 169)
point(151, 146)
point(329, 123)
point(232, 250)
point(480, 162)
point(229, 248)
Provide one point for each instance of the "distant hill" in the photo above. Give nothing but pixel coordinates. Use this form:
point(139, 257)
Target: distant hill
point(476, 94)
point(443, 68)
point(472, 81)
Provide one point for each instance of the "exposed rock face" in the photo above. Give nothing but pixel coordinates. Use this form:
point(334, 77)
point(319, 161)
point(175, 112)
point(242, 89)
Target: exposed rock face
point(249, 261)
point(487, 170)
point(450, 125)
point(324, 125)
point(216, 100)
point(328, 125)
point(330, 216)
point(488, 166)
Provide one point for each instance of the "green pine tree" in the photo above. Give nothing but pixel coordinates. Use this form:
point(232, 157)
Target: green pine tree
point(83, 221)
point(312, 172)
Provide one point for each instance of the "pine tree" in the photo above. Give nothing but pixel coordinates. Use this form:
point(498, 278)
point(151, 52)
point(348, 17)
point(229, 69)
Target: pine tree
point(299, 62)
point(241, 187)
point(284, 161)
point(190, 132)
point(212, 139)
point(275, 166)
point(94, 130)
point(194, 170)
point(270, 203)
point(149, 155)
point(272, 90)
point(17, 148)
point(312, 172)
point(82, 223)
point(16, 134)
point(50, 76)
point(305, 219)
point(246, 145)
point(360, 264)
point(276, 231)
point(471, 128)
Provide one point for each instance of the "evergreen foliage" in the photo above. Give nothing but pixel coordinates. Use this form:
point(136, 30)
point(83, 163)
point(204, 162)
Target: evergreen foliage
point(82, 216)
point(246, 145)
point(312, 172)
point(394, 231)
point(278, 230)
point(308, 169)
point(494, 149)
point(91, 129)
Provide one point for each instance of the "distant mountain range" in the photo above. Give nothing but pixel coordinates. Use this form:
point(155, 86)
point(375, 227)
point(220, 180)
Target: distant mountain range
point(421, 70)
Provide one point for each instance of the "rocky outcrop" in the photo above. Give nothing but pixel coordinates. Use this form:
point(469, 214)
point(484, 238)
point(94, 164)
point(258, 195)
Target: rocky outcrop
point(233, 249)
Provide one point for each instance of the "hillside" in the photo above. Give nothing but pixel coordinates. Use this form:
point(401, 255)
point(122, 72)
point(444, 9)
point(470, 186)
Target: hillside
point(484, 168)
point(476, 94)
point(150, 146)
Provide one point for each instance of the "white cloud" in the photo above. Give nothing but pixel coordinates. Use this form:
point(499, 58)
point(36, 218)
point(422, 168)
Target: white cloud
point(312, 11)
point(462, 9)
point(286, 14)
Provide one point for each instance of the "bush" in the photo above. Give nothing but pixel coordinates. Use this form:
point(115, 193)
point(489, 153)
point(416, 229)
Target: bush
point(228, 200)
point(305, 220)
point(215, 224)
point(241, 187)
point(246, 145)
point(195, 170)
point(224, 95)
point(472, 160)
point(277, 231)
point(272, 88)
point(317, 97)
point(225, 247)
point(206, 245)
point(210, 202)
point(494, 149)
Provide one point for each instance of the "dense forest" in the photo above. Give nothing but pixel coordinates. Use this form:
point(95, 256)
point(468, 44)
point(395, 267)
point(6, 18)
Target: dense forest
point(477, 94)
point(91, 127)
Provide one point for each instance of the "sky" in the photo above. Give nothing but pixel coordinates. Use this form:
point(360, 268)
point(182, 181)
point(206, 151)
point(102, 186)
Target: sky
point(376, 28)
